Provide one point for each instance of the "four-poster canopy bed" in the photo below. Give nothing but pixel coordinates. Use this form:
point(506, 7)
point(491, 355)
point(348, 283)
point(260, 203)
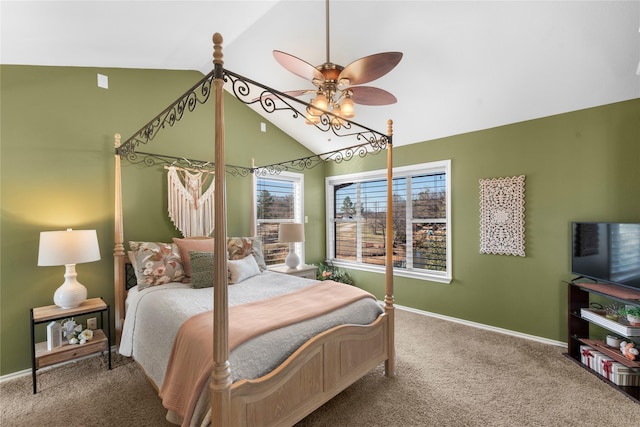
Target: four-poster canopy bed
point(314, 370)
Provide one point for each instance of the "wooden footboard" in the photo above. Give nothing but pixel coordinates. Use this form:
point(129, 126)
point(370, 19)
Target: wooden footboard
point(314, 374)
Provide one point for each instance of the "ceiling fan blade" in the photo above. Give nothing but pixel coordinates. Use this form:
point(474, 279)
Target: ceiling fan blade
point(369, 68)
point(297, 66)
point(300, 92)
point(368, 95)
point(294, 93)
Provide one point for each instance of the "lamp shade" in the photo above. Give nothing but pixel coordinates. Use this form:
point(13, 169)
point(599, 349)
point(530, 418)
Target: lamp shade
point(291, 232)
point(68, 247)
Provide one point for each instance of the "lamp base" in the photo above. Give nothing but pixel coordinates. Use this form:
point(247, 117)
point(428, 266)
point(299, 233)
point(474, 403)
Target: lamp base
point(292, 260)
point(71, 293)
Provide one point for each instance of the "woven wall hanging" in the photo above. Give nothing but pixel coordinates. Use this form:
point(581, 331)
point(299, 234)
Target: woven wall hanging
point(502, 216)
point(189, 201)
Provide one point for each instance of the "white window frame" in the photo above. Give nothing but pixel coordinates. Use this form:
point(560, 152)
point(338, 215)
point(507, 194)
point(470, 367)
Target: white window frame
point(298, 180)
point(407, 172)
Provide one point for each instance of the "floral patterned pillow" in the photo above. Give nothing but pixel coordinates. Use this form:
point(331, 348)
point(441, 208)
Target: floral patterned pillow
point(156, 263)
point(240, 247)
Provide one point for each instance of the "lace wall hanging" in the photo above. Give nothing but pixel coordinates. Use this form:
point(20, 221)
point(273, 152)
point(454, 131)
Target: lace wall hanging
point(190, 209)
point(502, 216)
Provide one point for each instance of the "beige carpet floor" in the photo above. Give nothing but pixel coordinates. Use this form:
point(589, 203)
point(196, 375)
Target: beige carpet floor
point(447, 375)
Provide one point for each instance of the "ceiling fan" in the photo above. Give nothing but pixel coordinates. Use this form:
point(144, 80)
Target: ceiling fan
point(336, 86)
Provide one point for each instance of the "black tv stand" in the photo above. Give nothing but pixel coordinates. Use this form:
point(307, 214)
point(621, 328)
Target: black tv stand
point(578, 326)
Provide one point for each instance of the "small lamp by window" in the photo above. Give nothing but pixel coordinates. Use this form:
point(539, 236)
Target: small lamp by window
point(68, 248)
point(291, 233)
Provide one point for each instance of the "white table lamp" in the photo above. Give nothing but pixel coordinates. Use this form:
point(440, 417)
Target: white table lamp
point(68, 248)
point(291, 233)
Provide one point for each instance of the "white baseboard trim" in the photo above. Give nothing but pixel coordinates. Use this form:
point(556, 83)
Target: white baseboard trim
point(26, 372)
point(483, 326)
point(15, 375)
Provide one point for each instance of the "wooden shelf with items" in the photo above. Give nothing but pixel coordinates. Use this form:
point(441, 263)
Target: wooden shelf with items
point(41, 356)
point(620, 327)
point(612, 352)
point(303, 270)
point(581, 317)
point(68, 351)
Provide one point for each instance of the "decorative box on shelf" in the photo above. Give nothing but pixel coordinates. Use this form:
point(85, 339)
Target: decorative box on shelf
point(587, 356)
point(615, 372)
point(602, 365)
point(624, 376)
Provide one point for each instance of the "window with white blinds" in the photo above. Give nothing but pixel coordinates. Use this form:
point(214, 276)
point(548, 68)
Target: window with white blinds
point(278, 199)
point(356, 220)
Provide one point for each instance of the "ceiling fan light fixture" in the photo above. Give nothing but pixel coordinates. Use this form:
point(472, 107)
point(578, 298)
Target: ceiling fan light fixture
point(320, 102)
point(347, 109)
point(319, 105)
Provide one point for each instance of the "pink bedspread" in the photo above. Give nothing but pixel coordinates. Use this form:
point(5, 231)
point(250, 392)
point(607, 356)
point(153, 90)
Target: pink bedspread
point(191, 359)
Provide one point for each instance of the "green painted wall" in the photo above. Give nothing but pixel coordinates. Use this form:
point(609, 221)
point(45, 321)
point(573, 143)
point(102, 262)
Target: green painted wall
point(56, 151)
point(57, 168)
point(580, 166)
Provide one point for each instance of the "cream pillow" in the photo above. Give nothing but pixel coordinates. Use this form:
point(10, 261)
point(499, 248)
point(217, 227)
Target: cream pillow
point(242, 269)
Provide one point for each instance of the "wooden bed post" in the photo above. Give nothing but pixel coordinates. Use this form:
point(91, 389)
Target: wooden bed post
point(221, 374)
point(389, 365)
point(118, 249)
point(253, 228)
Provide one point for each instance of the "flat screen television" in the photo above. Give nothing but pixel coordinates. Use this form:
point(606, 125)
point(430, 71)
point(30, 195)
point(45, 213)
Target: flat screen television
point(606, 252)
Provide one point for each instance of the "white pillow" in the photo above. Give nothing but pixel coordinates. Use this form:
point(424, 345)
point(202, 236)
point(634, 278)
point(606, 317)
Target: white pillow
point(242, 269)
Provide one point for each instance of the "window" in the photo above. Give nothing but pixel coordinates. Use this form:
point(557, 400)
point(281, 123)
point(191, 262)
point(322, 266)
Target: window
point(356, 221)
point(278, 199)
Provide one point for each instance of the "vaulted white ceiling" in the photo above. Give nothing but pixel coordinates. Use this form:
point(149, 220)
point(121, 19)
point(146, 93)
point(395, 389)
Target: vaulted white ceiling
point(467, 65)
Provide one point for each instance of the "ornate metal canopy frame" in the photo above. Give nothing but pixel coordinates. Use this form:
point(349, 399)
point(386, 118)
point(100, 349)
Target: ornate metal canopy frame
point(250, 92)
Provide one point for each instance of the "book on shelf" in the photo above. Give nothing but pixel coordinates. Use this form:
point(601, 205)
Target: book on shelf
point(54, 336)
point(622, 326)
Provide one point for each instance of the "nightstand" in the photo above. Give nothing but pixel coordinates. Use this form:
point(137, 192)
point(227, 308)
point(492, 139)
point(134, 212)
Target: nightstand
point(303, 270)
point(41, 357)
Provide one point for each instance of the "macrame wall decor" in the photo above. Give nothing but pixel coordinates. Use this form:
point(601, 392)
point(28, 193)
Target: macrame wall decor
point(502, 216)
point(190, 209)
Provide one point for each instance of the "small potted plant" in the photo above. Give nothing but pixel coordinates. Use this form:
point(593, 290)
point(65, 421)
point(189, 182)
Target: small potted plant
point(328, 271)
point(633, 314)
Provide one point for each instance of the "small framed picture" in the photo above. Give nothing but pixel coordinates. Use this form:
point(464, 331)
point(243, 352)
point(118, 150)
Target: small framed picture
point(54, 335)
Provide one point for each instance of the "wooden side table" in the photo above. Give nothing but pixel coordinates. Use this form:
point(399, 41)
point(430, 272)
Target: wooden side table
point(303, 270)
point(41, 357)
